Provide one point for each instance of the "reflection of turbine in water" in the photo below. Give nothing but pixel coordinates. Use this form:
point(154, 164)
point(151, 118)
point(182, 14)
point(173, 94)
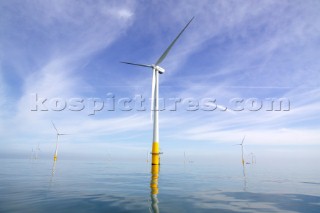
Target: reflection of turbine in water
point(154, 189)
point(53, 168)
point(58, 134)
point(156, 70)
point(243, 166)
point(53, 171)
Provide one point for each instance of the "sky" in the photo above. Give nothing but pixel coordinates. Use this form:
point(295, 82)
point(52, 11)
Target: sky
point(233, 50)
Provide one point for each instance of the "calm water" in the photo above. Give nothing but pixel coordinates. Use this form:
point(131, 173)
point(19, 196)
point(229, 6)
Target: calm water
point(83, 186)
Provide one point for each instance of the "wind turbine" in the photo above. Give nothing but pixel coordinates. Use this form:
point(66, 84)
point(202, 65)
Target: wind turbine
point(241, 144)
point(243, 166)
point(156, 70)
point(58, 134)
point(253, 158)
point(37, 150)
point(32, 154)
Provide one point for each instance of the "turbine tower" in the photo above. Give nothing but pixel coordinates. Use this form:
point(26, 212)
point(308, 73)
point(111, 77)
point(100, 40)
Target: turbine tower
point(58, 134)
point(156, 70)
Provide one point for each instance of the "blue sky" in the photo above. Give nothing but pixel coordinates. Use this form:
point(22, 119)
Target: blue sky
point(232, 49)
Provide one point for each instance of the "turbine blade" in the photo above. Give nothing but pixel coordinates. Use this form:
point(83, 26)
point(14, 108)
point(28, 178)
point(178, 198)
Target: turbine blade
point(54, 127)
point(152, 92)
point(243, 140)
point(141, 65)
point(162, 57)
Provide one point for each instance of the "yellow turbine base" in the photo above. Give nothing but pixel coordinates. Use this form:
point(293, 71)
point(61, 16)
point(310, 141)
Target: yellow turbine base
point(54, 158)
point(155, 153)
point(154, 179)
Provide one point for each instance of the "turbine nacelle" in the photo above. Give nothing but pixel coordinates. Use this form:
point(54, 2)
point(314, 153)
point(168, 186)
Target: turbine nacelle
point(159, 69)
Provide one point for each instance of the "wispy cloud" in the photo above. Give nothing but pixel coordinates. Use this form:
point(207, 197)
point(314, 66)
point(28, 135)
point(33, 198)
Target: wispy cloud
point(2, 88)
point(265, 127)
point(64, 34)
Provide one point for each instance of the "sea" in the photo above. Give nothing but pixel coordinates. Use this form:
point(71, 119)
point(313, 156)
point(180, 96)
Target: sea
point(44, 185)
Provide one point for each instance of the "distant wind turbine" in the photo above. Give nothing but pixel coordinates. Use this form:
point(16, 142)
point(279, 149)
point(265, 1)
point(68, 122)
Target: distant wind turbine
point(243, 166)
point(156, 70)
point(58, 134)
point(37, 151)
point(253, 158)
point(241, 144)
point(32, 154)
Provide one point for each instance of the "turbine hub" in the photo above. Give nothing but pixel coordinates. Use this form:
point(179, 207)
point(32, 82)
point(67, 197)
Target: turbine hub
point(160, 69)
